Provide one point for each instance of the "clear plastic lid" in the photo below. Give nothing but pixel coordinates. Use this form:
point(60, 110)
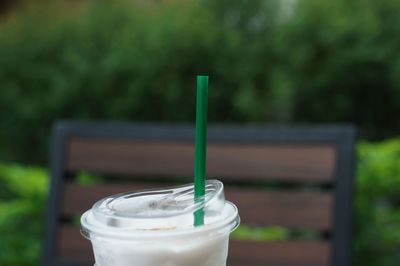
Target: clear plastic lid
point(163, 212)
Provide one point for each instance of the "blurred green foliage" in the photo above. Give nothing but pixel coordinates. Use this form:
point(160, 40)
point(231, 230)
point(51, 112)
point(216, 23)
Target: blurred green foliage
point(342, 57)
point(269, 61)
point(377, 212)
point(271, 233)
point(376, 220)
point(22, 199)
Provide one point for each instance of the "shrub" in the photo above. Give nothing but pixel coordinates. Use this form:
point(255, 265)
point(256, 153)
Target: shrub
point(121, 61)
point(136, 60)
point(341, 60)
point(377, 212)
point(22, 196)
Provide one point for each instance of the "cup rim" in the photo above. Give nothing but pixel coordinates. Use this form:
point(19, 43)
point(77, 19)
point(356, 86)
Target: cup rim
point(223, 226)
point(216, 228)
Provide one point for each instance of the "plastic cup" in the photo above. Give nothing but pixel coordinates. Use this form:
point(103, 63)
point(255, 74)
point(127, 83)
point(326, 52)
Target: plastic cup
point(155, 227)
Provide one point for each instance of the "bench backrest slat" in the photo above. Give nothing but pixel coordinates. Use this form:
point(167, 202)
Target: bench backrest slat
point(228, 160)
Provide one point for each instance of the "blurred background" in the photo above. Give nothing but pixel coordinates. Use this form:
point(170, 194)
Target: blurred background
point(269, 61)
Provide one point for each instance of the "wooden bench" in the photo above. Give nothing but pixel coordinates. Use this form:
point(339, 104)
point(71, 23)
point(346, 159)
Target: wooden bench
point(298, 178)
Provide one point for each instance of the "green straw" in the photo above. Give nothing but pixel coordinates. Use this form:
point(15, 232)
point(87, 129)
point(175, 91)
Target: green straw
point(201, 147)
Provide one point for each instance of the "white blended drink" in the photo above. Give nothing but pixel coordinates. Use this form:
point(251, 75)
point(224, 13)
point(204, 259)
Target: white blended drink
point(155, 228)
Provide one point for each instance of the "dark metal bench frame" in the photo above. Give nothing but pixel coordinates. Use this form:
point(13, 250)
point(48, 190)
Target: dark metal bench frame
point(341, 136)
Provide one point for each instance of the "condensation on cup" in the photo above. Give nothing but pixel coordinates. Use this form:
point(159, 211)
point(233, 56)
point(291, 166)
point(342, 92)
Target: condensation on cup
point(155, 227)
